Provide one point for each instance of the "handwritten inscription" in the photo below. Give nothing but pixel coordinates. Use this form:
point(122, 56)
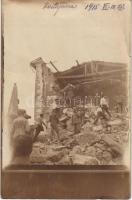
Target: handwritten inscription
point(56, 7)
point(105, 6)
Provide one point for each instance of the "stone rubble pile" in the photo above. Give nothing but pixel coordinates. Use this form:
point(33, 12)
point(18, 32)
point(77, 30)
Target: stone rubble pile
point(92, 146)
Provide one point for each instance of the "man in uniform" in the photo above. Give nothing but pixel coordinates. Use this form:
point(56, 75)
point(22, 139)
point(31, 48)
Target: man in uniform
point(104, 120)
point(54, 120)
point(99, 115)
point(104, 105)
point(39, 126)
point(76, 121)
point(20, 125)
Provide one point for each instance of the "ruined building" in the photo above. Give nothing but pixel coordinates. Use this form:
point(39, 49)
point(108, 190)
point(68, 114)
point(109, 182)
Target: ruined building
point(88, 78)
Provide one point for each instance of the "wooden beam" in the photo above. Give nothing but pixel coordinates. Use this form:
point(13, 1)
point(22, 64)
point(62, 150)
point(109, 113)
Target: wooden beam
point(90, 75)
point(77, 63)
point(94, 79)
point(54, 66)
point(98, 80)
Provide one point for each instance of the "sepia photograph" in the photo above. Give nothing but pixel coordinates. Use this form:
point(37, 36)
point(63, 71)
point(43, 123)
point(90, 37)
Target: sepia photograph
point(66, 94)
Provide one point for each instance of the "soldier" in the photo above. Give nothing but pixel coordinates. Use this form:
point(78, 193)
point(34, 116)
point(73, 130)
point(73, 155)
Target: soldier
point(104, 121)
point(39, 126)
point(104, 105)
point(99, 115)
point(76, 121)
point(54, 120)
point(20, 125)
point(82, 115)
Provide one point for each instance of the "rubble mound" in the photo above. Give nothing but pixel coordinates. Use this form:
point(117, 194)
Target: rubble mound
point(92, 146)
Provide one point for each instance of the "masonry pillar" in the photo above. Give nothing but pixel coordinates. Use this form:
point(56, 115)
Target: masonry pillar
point(38, 65)
point(44, 85)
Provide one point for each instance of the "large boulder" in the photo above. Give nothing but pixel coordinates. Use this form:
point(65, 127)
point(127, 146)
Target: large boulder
point(38, 159)
point(58, 147)
point(108, 139)
point(66, 160)
point(76, 150)
point(101, 146)
point(115, 122)
point(115, 147)
point(54, 156)
point(99, 154)
point(89, 138)
point(36, 156)
point(90, 151)
point(107, 157)
point(78, 159)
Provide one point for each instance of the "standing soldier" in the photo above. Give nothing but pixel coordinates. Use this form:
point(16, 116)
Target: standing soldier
point(97, 99)
point(20, 125)
point(76, 121)
point(82, 115)
point(104, 105)
point(99, 115)
point(39, 126)
point(54, 120)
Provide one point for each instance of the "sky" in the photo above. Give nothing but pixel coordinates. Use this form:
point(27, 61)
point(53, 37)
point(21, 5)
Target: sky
point(31, 32)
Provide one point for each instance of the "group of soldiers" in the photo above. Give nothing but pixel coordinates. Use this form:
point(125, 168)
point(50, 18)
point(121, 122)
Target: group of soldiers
point(21, 126)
